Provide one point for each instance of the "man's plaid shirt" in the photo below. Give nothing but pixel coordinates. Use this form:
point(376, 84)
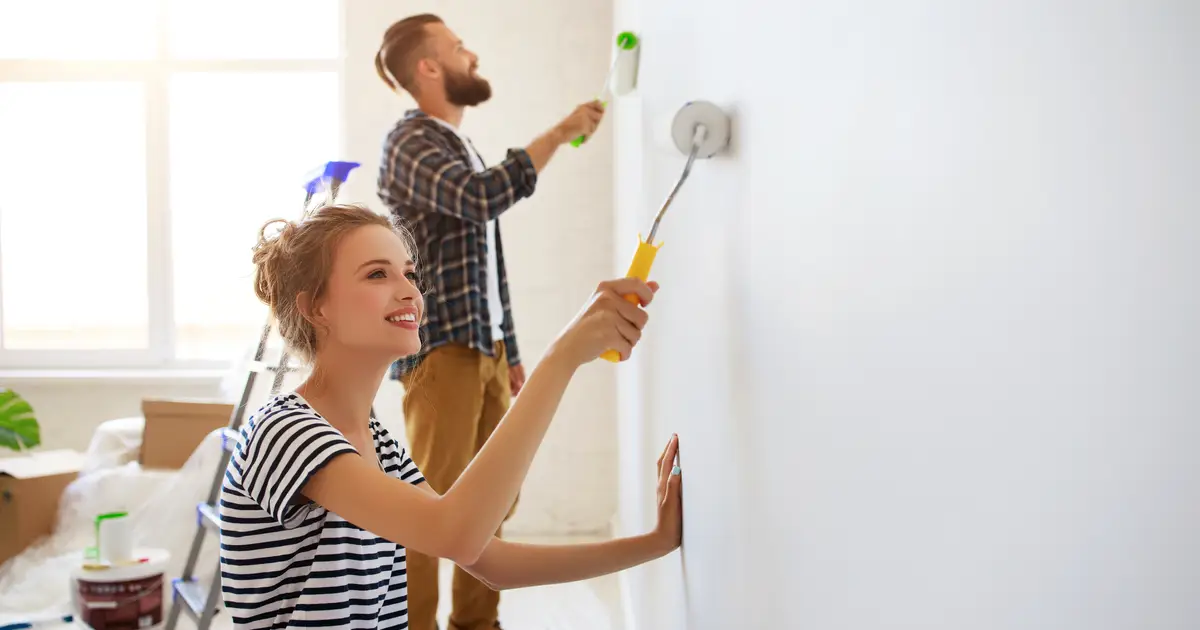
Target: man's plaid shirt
point(426, 180)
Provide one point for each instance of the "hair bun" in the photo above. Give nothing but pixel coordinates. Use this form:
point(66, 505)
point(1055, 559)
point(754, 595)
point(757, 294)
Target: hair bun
point(269, 254)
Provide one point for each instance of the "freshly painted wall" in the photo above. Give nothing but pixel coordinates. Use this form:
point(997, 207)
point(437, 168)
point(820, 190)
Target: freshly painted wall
point(928, 332)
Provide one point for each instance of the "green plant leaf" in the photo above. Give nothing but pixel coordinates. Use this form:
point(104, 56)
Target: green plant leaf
point(18, 426)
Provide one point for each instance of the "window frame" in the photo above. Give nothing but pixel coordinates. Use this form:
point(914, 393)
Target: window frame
point(155, 76)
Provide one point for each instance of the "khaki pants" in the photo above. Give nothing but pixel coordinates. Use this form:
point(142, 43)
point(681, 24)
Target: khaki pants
point(452, 403)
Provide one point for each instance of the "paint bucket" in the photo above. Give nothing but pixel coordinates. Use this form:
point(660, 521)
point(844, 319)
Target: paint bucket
point(124, 596)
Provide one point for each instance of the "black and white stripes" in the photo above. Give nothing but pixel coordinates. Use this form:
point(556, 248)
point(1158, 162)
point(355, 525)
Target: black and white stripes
point(287, 563)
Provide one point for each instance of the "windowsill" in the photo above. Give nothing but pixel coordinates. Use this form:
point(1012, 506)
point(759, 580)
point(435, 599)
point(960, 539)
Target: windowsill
point(119, 375)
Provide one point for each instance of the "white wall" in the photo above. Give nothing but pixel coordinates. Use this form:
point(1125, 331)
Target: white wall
point(929, 333)
point(557, 243)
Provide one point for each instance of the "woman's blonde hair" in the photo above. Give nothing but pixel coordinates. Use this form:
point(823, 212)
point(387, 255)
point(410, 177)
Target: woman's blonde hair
point(298, 260)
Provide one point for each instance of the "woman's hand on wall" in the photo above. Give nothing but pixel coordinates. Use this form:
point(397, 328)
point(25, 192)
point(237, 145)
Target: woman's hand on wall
point(670, 498)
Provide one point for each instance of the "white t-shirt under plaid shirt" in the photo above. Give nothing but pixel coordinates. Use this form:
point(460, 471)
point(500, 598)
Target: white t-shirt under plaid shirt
point(286, 563)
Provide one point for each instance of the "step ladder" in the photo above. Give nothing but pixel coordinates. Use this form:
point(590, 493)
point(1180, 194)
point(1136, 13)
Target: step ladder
point(189, 596)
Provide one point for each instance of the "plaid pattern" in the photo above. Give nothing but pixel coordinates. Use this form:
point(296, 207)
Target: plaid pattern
point(426, 180)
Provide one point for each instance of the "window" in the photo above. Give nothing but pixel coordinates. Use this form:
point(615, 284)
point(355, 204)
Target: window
point(276, 142)
point(56, 270)
point(143, 143)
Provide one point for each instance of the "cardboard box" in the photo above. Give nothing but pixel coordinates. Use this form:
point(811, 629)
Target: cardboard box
point(175, 427)
point(30, 488)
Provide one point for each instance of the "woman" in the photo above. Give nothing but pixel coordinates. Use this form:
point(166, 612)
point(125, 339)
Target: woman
point(319, 502)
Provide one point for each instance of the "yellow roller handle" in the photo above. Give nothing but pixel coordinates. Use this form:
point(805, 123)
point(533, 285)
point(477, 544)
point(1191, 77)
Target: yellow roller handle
point(643, 258)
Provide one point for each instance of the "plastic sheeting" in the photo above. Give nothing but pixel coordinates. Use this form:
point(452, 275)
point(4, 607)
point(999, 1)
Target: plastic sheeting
point(115, 443)
point(162, 505)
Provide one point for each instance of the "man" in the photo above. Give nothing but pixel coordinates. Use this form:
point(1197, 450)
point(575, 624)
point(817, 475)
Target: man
point(431, 177)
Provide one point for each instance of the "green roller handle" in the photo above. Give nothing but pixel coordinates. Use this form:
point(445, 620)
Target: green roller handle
point(581, 139)
point(626, 40)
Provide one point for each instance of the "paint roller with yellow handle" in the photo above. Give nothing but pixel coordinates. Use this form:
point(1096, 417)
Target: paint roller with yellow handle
point(700, 130)
point(643, 258)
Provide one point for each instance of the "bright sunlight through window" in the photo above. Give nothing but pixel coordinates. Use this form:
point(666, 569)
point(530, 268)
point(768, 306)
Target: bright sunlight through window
point(143, 143)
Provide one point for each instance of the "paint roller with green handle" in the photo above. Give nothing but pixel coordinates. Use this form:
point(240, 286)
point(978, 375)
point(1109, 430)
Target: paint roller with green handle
point(626, 41)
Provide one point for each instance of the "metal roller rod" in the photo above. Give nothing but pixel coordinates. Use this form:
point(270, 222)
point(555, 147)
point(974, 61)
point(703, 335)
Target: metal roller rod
point(697, 139)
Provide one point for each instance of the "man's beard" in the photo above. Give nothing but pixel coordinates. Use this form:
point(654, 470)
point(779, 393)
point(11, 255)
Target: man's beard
point(465, 90)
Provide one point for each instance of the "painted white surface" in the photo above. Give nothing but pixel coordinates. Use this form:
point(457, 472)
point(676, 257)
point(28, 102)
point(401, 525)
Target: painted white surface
point(929, 332)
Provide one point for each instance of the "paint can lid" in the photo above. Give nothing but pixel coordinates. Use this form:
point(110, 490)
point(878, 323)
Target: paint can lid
point(147, 562)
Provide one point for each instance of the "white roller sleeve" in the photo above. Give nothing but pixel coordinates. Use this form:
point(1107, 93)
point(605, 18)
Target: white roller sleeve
point(624, 78)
